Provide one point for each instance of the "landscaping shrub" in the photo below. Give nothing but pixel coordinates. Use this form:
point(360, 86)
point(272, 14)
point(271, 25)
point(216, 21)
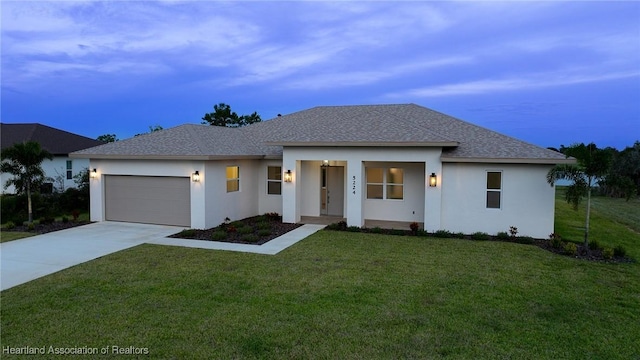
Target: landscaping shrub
point(376, 230)
point(398, 232)
point(9, 225)
point(230, 228)
point(593, 245)
point(619, 251)
point(422, 232)
point(353, 229)
point(46, 220)
point(570, 248)
point(264, 232)
point(245, 230)
point(251, 238)
point(273, 216)
point(524, 240)
point(414, 226)
point(443, 234)
point(340, 226)
point(31, 226)
point(503, 236)
point(480, 236)
point(459, 235)
point(607, 253)
point(187, 233)
point(219, 235)
point(556, 241)
point(263, 225)
point(65, 220)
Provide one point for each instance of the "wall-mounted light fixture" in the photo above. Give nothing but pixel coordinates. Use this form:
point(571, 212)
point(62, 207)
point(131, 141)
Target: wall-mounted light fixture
point(433, 180)
point(325, 163)
point(93, 173)
point(195, 177)
point(287, 176)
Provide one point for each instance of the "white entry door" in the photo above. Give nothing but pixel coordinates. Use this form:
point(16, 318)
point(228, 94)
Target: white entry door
point(332, 191)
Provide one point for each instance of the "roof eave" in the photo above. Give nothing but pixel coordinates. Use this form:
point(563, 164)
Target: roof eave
point(365, 143)
point(545, 161)
point(165, 157)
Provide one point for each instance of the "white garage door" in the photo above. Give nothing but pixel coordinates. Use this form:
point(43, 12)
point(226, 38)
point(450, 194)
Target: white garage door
point(148, 199)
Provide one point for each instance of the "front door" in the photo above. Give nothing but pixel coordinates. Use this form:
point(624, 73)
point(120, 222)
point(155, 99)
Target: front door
point(332, 191)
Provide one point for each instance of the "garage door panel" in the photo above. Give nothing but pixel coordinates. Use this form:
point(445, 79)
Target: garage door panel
point(148, 199)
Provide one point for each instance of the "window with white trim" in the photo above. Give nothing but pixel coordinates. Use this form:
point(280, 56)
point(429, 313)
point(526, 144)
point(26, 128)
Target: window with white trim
point(69, 169)
point(494, 189)
point(233, 178)
point(385, 183)
point(274, 180)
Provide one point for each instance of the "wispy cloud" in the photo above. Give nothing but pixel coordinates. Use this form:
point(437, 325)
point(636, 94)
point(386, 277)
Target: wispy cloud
point(528, 81)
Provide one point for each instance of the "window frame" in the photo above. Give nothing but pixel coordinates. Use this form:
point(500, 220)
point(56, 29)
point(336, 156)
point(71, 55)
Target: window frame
point(385, 184)
point(492, 190)
point(235, 180)
point(270, 181)
point(69, 169)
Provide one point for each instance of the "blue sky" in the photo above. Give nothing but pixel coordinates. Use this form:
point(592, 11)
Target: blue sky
point(549, 73)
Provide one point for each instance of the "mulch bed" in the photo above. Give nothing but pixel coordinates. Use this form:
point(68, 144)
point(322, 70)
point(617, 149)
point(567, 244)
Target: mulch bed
point(46, 228)
point(235, 234)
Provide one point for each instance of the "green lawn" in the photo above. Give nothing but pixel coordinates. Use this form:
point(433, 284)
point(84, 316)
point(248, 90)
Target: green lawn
point(13, 235)
point(341, 295)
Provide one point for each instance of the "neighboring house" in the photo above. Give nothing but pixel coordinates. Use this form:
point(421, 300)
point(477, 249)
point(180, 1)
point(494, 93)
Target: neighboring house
point(358, 162)
point(58, 142)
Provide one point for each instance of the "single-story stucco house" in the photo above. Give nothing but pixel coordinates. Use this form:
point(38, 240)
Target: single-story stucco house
point(61, 169)
point(402, 163)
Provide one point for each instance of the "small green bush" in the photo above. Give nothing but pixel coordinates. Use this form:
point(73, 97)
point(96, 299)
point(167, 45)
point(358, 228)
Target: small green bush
point(263, 225)
point(10, 225)
point(480, 236)
point(187, 233)
point(421, 232)
point(376, 230)
point(31, 226)
point(340, 226)
point(459, 235)
point(353, 229)
point(65, 220)
point(264, 232)
point(619, 251)
point(556, 241)
point(398, 232)
point(593, 245)
point(443, 234)
point(237, 224)
point(273, 216)
point(250, 238)
point(245, 230)
point(524, 240)
point(502, 235)
point(218, 235)
point(607, 253)
point(570, 248)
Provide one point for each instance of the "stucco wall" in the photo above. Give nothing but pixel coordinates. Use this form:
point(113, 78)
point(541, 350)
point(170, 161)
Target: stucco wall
point(52, 168)
point(527, 201)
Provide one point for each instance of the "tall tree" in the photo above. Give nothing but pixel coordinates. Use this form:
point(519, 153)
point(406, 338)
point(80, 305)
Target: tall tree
point(24, 162)
point(223, 116)
point(593, 164)
point(107, 138)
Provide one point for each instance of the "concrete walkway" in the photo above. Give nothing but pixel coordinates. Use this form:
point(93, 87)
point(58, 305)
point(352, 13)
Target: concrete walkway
point(33, 257)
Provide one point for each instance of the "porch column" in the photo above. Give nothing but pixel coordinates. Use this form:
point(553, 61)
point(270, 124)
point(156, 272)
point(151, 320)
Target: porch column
point(355, 183)
point(291, 190)
point(433, 197)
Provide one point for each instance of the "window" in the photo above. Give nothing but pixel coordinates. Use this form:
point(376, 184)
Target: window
point(274, 180)
point(233, 178)
point(69, 169)
point(385, 183)
point(494, 189)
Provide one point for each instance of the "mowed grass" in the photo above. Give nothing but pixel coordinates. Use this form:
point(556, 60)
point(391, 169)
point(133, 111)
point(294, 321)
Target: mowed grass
point(339, 295)
point(13, 235)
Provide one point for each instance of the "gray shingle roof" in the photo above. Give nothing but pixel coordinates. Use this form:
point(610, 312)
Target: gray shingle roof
point(55, 141)
point(365, 125)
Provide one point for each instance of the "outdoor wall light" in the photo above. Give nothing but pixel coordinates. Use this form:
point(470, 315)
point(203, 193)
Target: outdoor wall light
point(433, 180)
point(93, 173)
point(325, 163)
point(287, 176)
point(195, 176)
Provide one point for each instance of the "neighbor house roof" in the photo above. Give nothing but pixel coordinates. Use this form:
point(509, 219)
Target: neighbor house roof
point(406, 125)
point(55, 141)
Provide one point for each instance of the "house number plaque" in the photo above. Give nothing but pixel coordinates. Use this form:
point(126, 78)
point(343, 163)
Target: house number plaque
point(353, 183)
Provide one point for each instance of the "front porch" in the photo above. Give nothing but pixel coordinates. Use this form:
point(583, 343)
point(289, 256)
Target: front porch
point(383, 224)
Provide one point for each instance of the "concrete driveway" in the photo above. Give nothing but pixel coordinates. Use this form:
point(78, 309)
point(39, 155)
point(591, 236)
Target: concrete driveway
point(30, 258)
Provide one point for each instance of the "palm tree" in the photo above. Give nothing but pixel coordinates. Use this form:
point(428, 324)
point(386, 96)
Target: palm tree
point(593, 165)
point(23, 161)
